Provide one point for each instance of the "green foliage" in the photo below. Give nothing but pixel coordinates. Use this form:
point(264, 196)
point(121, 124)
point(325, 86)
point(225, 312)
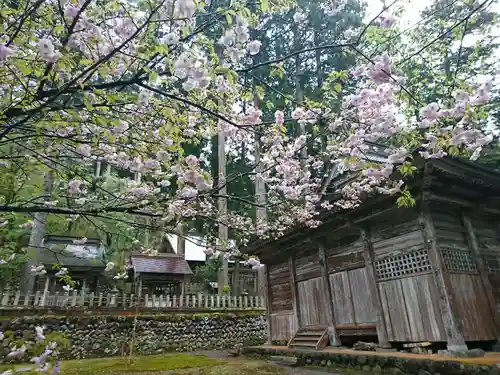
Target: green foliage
point(63, 277)
point(405, 200)
point(12, 240)
point(59, 338)
point(207, 272)
point(407, 169)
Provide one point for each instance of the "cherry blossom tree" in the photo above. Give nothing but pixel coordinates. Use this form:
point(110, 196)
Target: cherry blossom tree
point(104, 100)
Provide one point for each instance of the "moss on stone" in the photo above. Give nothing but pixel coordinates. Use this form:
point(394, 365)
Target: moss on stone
point(107, 336)
point(176, 316)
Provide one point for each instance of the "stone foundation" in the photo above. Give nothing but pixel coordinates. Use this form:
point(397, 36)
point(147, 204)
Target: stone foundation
point(385, 364)
point(107, 336)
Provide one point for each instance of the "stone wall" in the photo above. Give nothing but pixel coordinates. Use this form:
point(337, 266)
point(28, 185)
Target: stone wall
point(104, 336)
point(373, 363)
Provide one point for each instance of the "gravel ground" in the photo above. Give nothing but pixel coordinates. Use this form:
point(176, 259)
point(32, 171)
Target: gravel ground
point(303, 371)
point(223, 355)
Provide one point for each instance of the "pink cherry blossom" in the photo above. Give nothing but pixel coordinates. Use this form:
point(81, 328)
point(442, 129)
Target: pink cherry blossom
point(5, 52)
point(279, 117)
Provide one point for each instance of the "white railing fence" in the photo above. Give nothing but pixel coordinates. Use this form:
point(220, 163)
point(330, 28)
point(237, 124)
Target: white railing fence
point(10, 299)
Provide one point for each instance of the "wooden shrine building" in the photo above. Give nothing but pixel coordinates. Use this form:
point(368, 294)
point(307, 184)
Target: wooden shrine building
point(160, 274)
point(84, 262)
point(396, 275)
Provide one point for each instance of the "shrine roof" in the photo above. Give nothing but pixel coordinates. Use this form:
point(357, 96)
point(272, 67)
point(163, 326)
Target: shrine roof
point(63, 251)
point(162, 263)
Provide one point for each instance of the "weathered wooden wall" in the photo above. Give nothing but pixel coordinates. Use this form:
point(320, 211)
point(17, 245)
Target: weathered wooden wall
point(283, 321)
point(306, 264)
point(410, 310)
point(476, 321)
point(469, 299)
point(280, 289)
point(486, 229)
point(310, 286)
point(351, 297)
point(405, 282)
point(283, 325)
point(312, 303)
point(352, 301)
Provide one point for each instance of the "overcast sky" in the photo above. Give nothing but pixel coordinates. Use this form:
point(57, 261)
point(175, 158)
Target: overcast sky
point(412, 10)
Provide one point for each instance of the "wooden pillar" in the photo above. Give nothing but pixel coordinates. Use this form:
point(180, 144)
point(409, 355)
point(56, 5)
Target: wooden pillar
point(235, 290)
point(182, 286)
point(268, 304)
point(181, 250)
point(369, 258)
point(260, 282)
point(295, 292)
point(327, 296)
point(37, 234)
point(483, 272)
point(139, 292)
point(454, 337)
point(45, 290)
point(223, 278)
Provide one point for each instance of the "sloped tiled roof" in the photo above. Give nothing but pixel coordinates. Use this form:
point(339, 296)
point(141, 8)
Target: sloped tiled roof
point(164, 263)
point(62, 250)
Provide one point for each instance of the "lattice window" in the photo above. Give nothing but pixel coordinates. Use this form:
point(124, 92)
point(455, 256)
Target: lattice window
point(492, 263)
point(458, 261)
point(402, 265)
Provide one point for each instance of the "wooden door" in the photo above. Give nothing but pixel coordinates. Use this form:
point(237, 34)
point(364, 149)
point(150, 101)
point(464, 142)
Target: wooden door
point(312, 304)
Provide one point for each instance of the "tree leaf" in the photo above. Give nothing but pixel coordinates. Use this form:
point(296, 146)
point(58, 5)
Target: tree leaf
point(264, 5)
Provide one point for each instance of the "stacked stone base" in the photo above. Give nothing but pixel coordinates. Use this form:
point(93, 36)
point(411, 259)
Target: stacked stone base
point(385, 364)
point(106, 336)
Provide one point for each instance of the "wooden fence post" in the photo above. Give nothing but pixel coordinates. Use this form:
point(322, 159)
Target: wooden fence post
point(116, 299)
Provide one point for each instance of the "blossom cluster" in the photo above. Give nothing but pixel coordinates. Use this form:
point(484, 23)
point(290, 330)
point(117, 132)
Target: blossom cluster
point(41, 362)
point(115, 97)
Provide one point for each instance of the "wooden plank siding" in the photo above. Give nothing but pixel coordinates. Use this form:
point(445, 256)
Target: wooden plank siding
point(284, 326)
point(450, 233)
point(280, 288)
point(362, 300)
point(343, 308)
point(348, 254)
point(484, 281)
point(405, 282)
point(409, 311)
point(307, 264)
point(476, 322)
point(486, 229)
point(312, 302)
point(352, 300)
point(449, 313)
point(398, 233)
point(467, 294)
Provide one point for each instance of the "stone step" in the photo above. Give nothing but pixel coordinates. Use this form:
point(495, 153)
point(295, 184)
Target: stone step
point(284, 361)
point(303, 345)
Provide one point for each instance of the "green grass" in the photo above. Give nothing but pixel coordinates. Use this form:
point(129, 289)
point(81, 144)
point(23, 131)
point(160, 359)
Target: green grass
point(134, 365)
point(235, 367)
